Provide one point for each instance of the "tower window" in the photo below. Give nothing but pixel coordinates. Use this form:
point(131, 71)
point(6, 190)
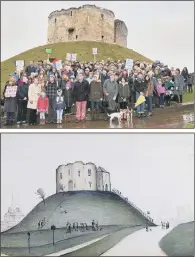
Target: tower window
point(74, 185)
point(70, 30)
point(60, 175)
point(79, 173)
point(55, 20)
point(69, 172)
point(76, 36)
point(102, 16)
point(90, 184)
point(89, 172)
point(102, 37)
point(71, 13)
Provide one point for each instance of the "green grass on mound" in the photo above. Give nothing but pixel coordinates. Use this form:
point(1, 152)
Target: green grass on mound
point(83, 50)
point(190, 125)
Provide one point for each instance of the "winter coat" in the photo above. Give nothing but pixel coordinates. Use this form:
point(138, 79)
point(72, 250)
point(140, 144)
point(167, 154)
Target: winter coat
point(140, 86)
point(161, 89)
point(149, 88)
point(33, 95)
point(68, 95)
point(96, 91)
point(42, 104)
point(51, 90)
point(103, 78)
point(10, 95)
point(123, 92)
point(22, 91)
point(59, 103)
point(110, 87)
point(179, 84)
point(30, 69)
point(81, 91)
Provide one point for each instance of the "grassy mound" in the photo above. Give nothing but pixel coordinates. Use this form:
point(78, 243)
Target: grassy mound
point(83, 50)
point(179, 241)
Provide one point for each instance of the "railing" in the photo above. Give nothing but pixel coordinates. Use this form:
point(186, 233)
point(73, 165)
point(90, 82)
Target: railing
point(132, 204)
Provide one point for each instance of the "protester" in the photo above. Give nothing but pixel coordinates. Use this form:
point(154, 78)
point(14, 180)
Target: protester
point(42, 107)
point(161, 89)
point(10, 95)
point(22, 100)
point(33, 95)
point(179, 85)
point(110, 89)
point(95, 96)
point(80, 94)
point(82, 83)
point(59, 106)
point(51, 92)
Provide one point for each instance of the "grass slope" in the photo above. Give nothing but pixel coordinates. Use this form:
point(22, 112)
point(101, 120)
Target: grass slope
point(83, 50)
point(179, 241)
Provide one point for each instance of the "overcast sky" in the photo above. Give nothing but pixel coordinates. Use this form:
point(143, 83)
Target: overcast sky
point(162, 30)
point(156, 172)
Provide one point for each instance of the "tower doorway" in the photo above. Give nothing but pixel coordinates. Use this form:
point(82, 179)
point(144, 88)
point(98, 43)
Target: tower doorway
point(70, 185)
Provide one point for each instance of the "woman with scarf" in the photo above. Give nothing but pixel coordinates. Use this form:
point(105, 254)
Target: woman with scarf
point(10, 96)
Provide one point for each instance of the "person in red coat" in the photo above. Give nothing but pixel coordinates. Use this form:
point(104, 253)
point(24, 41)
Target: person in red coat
point(42, 107)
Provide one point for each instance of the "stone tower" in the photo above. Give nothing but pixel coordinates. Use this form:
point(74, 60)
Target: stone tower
point(86, 23)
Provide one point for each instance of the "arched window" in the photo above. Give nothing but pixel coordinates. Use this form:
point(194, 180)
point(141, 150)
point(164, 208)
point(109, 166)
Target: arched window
point(90, 184)
point(76, 36)
point(60, 175)
point(74, 185)
point(69, 172)
point(79, 173)
point(71, 13)
point(102, 37)
point(102, 16)
point(55, 20)
point(89, 172)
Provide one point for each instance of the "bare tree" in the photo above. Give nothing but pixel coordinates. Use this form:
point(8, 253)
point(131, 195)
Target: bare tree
point(62, 187)
point(40, 192)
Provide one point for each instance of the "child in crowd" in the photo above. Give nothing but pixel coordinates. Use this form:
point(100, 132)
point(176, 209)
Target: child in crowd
point(59, 106)
point(161, 89)
point(42, 107)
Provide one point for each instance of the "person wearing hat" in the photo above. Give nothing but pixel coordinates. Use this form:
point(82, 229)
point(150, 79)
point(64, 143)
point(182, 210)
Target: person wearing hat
point(51, 92)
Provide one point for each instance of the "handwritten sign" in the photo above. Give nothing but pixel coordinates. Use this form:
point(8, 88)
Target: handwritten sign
point(58, 65)
point(68, 56)
point(20, 64)
point(129, 64)
point(94, 51)
point(74, 57)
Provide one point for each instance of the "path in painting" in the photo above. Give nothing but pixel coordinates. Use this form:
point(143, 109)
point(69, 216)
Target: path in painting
point(140, 243)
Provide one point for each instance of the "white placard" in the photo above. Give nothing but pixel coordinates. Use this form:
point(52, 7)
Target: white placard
point(20, 64)
point(58, 65)
point(68, 57)
point(94, 51)
point(129, 64)
point(74, 57)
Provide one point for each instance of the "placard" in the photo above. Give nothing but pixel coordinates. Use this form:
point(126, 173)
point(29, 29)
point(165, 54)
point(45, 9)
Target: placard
point(68, 56)
point(20, 64)
point(129, 64)
point(58, 65)
point(74, 57)
point(94, 51)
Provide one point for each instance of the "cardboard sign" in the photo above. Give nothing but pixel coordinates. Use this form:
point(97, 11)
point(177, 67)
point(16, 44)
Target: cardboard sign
point(94, 51)
point(58, 65)
point(68, 57)
point(74, 57)
point(129, 64)
point(20, 64)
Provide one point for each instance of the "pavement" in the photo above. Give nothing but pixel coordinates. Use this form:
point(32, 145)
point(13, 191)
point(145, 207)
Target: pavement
point(140, 243)
point(167, 118)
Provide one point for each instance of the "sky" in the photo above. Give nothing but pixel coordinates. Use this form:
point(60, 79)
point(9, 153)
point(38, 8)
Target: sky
point(155, 171)
point(161, 30)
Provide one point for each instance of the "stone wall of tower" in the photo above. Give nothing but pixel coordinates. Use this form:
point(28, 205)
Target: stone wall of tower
point(86, 23)
point(120, 33)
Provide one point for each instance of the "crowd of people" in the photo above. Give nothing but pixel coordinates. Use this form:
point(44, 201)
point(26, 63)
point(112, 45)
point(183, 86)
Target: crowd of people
point(39, 93)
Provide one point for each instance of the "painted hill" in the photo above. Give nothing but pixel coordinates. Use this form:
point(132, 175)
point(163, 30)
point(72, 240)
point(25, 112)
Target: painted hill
point(83, 50)
point(179, 241)
point(108, 208)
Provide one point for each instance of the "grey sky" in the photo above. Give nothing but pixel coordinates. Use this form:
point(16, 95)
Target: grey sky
point(162, 30)
point(156, 172)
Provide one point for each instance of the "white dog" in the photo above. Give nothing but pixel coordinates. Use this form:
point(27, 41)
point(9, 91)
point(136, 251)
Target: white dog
point(117, 115)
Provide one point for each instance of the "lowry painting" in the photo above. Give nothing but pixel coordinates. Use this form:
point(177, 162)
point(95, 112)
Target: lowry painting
point(97, 195)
